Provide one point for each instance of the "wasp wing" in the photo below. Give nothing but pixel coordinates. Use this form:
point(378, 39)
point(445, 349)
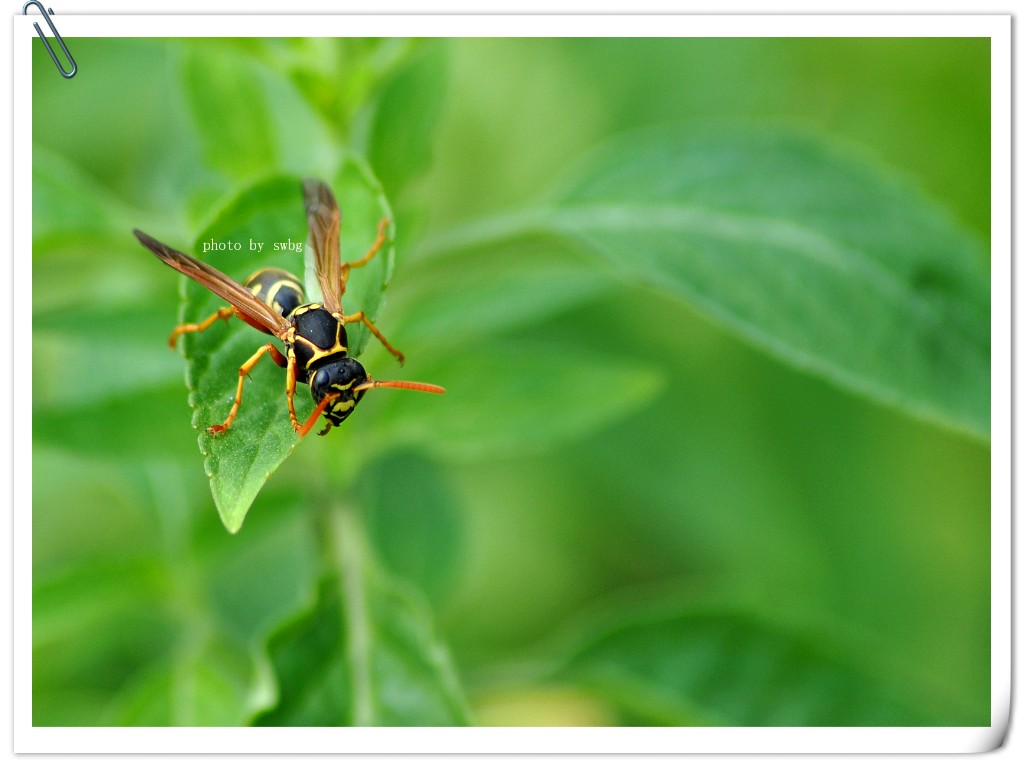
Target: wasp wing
point(254, 311)
point(324, 219)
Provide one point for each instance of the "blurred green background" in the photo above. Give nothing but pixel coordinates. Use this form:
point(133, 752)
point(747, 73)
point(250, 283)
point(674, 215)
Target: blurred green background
point(734, 541)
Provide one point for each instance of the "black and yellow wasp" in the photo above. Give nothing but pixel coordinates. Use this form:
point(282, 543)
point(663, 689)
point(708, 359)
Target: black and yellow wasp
point(274, 301)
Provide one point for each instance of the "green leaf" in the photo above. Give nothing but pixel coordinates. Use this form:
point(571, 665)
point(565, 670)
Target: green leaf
point(529, 396)
point(723, 669)
point(254, 582)
point(139, 405)
point(150, 422)
point(413, 519)
point(250, 118)
point(364, 654)
point(229, 107)
point(67, 342)
point(95, 623)
point(488, 292)
point(239, 461)
point(204, 683)
point(68, 206)
point(92, 593)
point(271, 212)
point(806, 250)
point(401, 126)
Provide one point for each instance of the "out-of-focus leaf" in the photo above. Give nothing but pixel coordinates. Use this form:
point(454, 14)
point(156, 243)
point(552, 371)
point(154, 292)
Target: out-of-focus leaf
point(78, 599)
point(440, 304)
point(401, 131)
point(94, 625)
point(231, 111)
point(546, 706)
point(91, 514)
point(128, 132)
point(335, 76)
point(365, 653)
point(710, 668)
point(806, 250)
point(251, 120)
point(68, 206)
point(104, 363)
point(96, 276)
point(514, 398)
point(202, 684)
point(412, 518)
point(254, 582)
point(89, 347)
point(148, 422)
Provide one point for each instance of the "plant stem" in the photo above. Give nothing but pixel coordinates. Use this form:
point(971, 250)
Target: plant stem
point(344, 557)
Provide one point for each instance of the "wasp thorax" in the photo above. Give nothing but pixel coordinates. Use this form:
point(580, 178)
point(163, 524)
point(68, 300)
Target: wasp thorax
point(340, 378)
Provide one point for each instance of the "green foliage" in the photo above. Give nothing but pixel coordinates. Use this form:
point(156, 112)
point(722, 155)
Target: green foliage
point(400, 126)
point(814, 255)
point(415, 526)
point(212, 80)
point(363, 654)
point(716, 669)
point(530, 406)
point(717, 402)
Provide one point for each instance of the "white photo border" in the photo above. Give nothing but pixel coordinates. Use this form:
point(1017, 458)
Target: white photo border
point(30, 739)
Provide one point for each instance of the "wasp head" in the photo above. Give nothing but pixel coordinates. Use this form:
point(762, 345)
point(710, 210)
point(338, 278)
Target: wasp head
point(341, 379)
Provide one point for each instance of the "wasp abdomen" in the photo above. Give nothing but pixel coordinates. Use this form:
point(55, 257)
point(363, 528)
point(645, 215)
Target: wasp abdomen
point(280, 289)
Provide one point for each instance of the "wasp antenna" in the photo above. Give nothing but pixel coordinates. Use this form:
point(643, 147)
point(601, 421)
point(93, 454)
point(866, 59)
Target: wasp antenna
point(418, 386)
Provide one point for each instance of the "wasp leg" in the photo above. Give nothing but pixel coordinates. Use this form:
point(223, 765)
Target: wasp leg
point(247, 366)
point(347, 265)
point(221, 314)
point(289, 388)
point(359, 317)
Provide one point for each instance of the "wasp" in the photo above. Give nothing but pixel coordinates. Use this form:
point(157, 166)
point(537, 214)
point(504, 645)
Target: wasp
point(314, 336)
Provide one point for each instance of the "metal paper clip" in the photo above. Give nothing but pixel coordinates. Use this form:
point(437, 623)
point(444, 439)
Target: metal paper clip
point(60, 68)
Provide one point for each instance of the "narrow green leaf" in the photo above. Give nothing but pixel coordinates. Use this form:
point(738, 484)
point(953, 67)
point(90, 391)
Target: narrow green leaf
point(270, 213)
point(709, 668)
point(528, 397)
point(809, 251)
point(364, 654)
